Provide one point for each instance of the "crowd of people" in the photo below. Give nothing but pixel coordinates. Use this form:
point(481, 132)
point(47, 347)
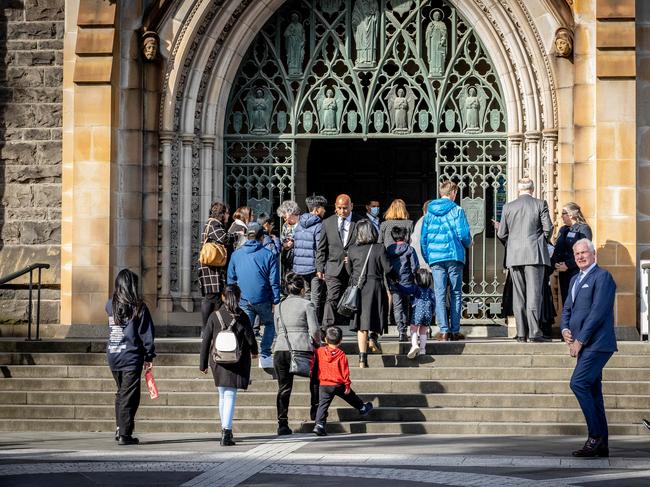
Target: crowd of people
point(321, 275)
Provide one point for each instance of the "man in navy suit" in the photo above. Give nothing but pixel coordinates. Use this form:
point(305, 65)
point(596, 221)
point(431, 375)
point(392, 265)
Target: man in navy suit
point(588, 329)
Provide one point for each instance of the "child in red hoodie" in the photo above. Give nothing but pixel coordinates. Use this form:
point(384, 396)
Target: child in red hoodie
point(334, 379)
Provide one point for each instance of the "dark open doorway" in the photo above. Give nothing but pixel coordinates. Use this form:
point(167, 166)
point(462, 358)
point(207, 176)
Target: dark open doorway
point(380, 169)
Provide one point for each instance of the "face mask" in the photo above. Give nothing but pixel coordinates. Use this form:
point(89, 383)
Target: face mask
point(374, 211)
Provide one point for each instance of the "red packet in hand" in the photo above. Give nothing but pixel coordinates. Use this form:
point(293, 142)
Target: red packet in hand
point(151, 385)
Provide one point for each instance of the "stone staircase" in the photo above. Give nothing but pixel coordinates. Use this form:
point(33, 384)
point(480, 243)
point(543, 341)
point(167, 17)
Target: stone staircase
point(486, 387)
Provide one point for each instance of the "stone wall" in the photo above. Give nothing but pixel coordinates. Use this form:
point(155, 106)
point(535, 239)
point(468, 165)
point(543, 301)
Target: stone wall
point(31, 80)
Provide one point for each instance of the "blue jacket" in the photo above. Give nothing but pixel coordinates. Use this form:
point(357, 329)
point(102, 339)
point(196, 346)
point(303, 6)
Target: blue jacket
point(404, 262)
point(130, 346)
point(591, 316)
point(305, 240)
point(445, 232)
point(272, 243)
point(256, 271)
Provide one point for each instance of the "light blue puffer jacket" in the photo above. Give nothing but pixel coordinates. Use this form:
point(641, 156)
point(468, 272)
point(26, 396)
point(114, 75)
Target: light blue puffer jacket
point(445, 232)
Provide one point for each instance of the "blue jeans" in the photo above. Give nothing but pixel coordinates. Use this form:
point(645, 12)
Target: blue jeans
point(449, 272)
point(227, 398)
point(265, 312)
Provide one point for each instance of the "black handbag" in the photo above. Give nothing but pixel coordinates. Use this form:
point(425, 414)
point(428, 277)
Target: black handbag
point(349, 302)
point(301, 360)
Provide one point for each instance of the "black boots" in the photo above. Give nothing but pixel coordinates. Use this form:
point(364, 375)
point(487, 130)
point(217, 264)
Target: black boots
point(127, 440)
point(594, 447)
point(226, 438)
point(283, 429)
point(363, 360)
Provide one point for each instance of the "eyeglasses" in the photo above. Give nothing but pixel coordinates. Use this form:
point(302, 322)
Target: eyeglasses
point(565, 213)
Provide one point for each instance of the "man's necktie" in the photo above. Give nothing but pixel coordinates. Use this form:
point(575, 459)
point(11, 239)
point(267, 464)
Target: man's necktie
point(341, 229)
point(576, 286)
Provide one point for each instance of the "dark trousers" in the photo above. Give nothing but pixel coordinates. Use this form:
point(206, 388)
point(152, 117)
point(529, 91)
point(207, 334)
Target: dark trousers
point(335, 287)
point(587, 385)
point(527, 297)
point(326, 396)
point(401, 308)
point(315, 292)
point(282, 363)
point(127, 399)
point(565, 279)
point(209, 303)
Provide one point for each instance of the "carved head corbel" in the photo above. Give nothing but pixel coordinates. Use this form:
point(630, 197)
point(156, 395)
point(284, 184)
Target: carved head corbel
point(563, 43)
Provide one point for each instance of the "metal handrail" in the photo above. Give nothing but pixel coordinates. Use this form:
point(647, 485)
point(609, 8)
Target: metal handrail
point(30, 270)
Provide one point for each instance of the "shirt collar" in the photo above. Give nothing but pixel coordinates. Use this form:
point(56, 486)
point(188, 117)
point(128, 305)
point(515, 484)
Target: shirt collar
point(349, 218)
point(587, 270)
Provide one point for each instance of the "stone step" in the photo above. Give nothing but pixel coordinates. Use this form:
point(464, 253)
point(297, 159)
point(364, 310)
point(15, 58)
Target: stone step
point(249, 398)
point(390, 347)
point(395, 373)
point(206, 384)
point(269, 427)
point(375, 361)
point(339, 412)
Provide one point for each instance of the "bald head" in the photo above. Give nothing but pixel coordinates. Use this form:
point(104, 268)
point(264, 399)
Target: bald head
point(343, 205)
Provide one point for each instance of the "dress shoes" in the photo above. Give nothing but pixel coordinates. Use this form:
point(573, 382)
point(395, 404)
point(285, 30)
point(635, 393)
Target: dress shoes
point(284, 430)
point(319, 430)
point(521, 339)
point(127, 440)
point(458, 336)
point(593, 448)
point(540, 339)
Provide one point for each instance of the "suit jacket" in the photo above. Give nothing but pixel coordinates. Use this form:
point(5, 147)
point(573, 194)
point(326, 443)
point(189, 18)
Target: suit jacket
point(526, 226)
point(590, 317)
point(331, 252)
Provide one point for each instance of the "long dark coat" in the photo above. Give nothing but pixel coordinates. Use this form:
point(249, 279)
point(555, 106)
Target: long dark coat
point(373, 308)
point(212, 279)
point(229, 375)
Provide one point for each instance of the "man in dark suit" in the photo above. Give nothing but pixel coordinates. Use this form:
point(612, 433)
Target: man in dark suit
point(588, 328)
point(525, 227)
point(337, 235)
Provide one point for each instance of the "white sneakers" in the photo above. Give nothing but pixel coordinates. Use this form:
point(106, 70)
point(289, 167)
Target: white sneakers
point(266, 362)
point(414, 352)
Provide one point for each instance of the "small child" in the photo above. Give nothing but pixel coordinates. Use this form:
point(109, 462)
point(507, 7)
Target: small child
point(334, 378)
point(270, 242)
point(423, 309)
point(404, 262)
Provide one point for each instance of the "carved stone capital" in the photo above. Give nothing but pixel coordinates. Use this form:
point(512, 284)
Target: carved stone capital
point(166, 137)
point(187, 139)
point(208, 140)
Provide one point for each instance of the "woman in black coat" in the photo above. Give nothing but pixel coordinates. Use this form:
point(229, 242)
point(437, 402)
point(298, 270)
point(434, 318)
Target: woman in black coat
point(213, 279)
point(373, 304)
point(229, 377)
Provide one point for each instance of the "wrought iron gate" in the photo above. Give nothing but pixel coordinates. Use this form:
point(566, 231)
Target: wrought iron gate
point(374, 69)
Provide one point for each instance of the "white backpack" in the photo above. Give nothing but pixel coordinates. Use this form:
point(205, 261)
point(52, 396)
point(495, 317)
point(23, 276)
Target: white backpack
point(226, 348)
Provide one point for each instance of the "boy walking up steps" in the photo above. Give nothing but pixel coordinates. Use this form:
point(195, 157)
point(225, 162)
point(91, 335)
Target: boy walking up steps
point(334, 378)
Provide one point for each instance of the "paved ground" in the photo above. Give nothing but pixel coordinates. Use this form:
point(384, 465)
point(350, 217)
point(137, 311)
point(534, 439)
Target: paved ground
point(93, 459)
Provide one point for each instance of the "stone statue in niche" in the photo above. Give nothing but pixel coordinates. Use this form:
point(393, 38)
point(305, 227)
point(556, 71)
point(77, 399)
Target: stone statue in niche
point(329, 102)
point(436, 40)
point(473, 101)
point(259, 105)
point(401, 103)
point(150, 45)
point(563, 43)
point(365, 16)
point(330, 6)
point(294, 36)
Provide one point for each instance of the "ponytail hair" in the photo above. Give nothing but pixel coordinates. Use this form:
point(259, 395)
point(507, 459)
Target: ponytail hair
point(231, 295)
point(127, 301)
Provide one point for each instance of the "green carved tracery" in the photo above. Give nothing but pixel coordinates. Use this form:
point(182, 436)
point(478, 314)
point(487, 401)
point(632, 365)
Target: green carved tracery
point(374, 68)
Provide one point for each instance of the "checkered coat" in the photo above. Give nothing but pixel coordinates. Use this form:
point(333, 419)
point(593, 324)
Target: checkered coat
point(212, 279)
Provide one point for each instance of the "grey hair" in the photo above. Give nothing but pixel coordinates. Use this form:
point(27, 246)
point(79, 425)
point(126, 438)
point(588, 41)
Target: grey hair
point(287, 208)
point(526, 184)
point(366, 233)
point(587, 242)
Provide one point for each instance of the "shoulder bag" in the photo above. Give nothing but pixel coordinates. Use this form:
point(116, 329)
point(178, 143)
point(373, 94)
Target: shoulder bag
point(301, 361)
point(349, 302)
point(212, 254)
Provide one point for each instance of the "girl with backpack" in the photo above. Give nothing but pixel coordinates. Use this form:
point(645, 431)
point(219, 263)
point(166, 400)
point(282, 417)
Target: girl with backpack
point(228, 346)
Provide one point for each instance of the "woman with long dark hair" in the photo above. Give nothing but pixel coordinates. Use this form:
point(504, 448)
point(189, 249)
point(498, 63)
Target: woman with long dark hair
point(228, 377)
point(130, 350)
point(213, 279)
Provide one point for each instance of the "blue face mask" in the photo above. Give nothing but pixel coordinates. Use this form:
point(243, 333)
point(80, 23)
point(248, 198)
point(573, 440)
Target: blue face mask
point(374, 211)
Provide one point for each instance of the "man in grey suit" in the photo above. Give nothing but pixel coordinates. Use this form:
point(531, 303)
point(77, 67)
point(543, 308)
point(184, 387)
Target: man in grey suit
point(525, 228)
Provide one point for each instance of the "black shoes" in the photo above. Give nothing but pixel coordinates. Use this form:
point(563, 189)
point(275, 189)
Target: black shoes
point(283, 430)
point(522, 339)
point(540, 339)
point(403, 337)
point(646, 423)
point(593, 448)
point(363, 360)
point(226, 438)
point(366, 408)
point(319, 430)
point(127, 440)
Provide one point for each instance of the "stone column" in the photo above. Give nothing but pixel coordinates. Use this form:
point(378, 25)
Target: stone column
point(515, 163)
point(185, 223)
point(165, 302)
point(549, 146)
point(535, 161)
point(207, 146)
point(218, 161)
